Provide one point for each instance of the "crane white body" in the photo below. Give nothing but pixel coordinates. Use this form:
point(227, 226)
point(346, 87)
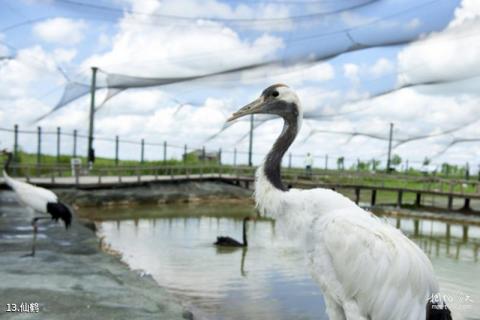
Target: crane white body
point(32, 197)
point(366, 268)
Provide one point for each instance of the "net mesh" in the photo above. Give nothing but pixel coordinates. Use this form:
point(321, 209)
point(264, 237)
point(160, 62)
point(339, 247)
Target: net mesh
point(307, 44)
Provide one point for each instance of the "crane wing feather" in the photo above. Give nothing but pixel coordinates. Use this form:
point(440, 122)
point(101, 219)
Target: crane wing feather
point(29, 195)
point(378, 267)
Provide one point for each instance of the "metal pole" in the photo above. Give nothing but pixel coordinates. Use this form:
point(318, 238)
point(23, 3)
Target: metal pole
point(185, 154)
point(204, 155)
point(290, 160)
point(39, 145)
point(58, 144)
point(116, 149)
point(15, 147)
point(389, 147)
point(90, 151)
point(250, 142)
point(326, 161)
point(75, 143)
point(143, 151)
point(467, 171)
point(220, 156)
point(164, 152)
point(235, 158)
point(15, 142)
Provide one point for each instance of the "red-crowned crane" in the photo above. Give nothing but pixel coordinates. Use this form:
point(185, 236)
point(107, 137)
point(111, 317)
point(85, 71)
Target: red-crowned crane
point(367, 269)
point(37, 200)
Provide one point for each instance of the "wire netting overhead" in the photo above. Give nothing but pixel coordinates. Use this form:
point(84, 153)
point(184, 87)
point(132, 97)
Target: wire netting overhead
point(307, 41)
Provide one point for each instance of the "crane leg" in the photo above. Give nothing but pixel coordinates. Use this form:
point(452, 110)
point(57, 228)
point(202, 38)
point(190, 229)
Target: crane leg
point(35, 231)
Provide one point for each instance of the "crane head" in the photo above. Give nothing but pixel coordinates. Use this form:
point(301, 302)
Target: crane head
point(277, 99)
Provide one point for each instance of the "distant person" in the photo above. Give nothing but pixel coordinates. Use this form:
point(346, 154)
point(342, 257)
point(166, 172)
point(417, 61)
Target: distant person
point(308, 164)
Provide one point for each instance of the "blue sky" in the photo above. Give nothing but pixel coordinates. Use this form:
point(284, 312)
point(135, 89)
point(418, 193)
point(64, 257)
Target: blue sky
point(137, 38)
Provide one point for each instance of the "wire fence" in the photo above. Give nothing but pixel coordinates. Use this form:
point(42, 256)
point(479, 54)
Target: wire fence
point(33, 146)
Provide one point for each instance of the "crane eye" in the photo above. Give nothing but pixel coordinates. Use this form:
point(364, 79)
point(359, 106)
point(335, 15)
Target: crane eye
point(275, 94)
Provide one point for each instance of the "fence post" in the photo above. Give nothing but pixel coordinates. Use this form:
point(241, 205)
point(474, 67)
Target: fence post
point(142, 151)
point(289, 160)
point(58, 144)
point(39, 145)
point(75, 143)
point(235, 158)
point(116, 149)
point(15, 147)
point(164, 152)
point(185, 154)
point(467, 171)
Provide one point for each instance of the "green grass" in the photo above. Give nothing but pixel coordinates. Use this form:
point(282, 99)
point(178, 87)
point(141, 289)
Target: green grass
point(27, 165)
point(31, 159)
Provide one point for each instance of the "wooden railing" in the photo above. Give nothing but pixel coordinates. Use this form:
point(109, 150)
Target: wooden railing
point(376, 179)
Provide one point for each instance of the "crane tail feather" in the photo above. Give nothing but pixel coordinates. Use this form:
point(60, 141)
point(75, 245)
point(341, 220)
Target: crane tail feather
point(60, 211)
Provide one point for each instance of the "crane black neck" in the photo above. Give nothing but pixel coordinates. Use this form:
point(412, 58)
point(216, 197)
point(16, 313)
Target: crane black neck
point(273, 161)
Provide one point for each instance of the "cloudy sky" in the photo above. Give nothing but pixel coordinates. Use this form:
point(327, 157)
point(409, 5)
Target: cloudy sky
point(357, 65)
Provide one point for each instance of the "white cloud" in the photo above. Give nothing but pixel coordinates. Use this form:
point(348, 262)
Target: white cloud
point(221, 10)
point(320, 72)
point(64, 55)
point(350, 71)
point(104, 41)
point(468, 11)
point(447, 55)
point(295, 75)
point(60, 30)
point(31, 66)
point(381, 67)
point(180, 49)
point(150, 113)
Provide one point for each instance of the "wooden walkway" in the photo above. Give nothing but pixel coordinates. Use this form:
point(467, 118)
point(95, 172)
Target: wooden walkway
point(103, 182)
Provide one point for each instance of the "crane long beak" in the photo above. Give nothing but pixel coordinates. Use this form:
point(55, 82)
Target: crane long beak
point(253, 107)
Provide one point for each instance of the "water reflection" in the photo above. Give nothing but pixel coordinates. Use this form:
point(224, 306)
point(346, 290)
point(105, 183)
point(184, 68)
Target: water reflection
point(229, 250)
point(438, 238)
point(269, 279)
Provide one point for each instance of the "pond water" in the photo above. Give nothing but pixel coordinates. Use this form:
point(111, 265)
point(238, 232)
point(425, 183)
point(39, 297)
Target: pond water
point(270, 279)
